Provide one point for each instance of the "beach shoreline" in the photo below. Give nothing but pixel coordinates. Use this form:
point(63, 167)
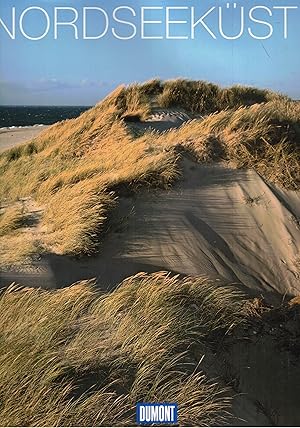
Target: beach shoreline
point(14, 136)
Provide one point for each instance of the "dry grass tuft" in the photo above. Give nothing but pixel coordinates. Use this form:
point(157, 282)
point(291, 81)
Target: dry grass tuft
point(75, 217)
point(74, 357)
point(203, 98)
point(11, 218)
point(295, 301)
point(15, 247)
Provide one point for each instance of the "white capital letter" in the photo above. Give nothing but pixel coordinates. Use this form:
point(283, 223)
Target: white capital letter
point(68, 23)
point(260, 22)
point(285, 17)
point(124, 22)
point(12, 33)
point(169, 22)
point(21, 23)
point(142, 413)
point(221, 23)
point(85, 36)
point(172, 413)
point(149, 22)
point(201, 21)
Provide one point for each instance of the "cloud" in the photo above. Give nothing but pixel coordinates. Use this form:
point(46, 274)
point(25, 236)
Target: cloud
point(53, 91)
point(53, 84)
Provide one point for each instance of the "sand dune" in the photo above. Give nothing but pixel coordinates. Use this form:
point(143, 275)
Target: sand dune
point(219, 221)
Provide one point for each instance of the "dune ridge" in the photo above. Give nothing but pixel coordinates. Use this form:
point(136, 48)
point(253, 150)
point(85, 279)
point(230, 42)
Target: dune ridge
point(156, 243)
point(77, 169)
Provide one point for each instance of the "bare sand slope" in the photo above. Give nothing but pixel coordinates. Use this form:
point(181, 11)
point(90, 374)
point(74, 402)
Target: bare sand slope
point(160, 120)
point(222, 222)
point(11, 137)
point(218, 221)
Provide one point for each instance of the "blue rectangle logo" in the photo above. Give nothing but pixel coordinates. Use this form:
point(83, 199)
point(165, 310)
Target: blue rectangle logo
point(156, 413)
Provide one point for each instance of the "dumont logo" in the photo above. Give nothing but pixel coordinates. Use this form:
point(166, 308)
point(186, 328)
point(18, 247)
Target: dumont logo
point(156, 413)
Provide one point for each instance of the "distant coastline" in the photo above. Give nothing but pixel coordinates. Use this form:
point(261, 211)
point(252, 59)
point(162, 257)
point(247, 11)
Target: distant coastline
point(16, 135)
point(13, 117)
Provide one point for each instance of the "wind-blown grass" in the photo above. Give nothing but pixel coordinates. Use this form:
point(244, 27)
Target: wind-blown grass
point(205, 98)
point(74, 357)
point(10, 219)
point(15, 247)
point(265, 137)
point(73, 170)
point(78, 168)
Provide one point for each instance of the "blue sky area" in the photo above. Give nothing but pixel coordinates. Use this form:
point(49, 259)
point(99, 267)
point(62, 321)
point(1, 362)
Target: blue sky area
point(80, 72)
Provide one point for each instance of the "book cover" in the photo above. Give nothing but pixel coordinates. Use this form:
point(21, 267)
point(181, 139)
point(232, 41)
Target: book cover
point(149, 213)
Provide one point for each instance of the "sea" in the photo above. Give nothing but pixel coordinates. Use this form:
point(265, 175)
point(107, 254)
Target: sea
point(19, 116)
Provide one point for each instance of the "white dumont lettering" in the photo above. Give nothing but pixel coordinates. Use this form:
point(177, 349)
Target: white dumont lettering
point(157, 413)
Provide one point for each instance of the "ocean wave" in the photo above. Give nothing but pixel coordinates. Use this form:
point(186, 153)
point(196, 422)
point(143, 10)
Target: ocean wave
point(14, 128)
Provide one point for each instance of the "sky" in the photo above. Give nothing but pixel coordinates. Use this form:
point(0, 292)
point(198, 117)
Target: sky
point(66, 71)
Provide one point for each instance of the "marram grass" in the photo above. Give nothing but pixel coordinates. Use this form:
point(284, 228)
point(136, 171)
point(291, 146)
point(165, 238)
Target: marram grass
point(76, 357)
point(77, 169)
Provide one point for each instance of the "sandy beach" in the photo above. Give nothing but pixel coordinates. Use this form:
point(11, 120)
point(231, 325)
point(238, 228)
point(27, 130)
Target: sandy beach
point(11, 137)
